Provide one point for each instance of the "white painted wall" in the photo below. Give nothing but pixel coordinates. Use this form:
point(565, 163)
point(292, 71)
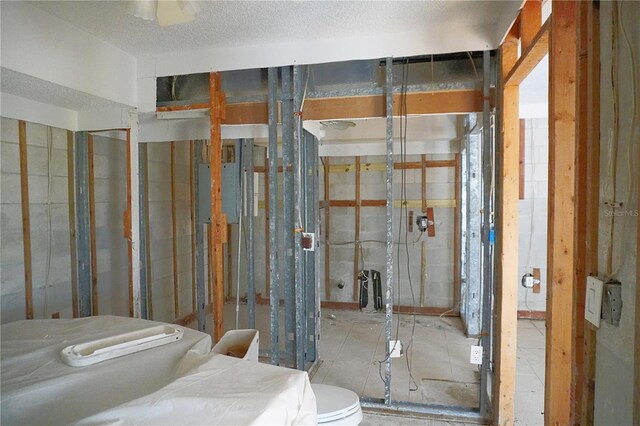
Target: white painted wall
point(43, 46)
point(532, 214)
point(20, 108)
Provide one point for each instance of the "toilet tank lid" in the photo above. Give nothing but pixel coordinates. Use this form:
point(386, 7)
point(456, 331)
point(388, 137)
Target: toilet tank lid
point(332, 400)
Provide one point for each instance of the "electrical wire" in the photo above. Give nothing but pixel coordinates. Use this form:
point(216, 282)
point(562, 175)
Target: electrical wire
point(618, 21)
point(473, 64)
point(613, 146)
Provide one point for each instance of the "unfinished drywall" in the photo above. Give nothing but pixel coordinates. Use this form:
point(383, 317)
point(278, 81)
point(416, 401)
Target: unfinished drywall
point(619, 86)
point(161, 217)
point(532, 213)
point(49, 216)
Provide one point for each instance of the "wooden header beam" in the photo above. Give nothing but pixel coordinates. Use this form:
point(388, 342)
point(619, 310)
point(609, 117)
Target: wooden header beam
point(370, 106)
point(538, 48)
point(530, 19)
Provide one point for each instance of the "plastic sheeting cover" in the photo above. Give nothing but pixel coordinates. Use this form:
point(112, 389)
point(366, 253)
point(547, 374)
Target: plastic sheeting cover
point(182, 380)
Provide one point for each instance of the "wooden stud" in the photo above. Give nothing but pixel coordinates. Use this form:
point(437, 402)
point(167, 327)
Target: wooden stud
point(582, 172)
point(456, 234)
point(506, 300)
point(357, 247)
point(92, 229)
point(593, 207)
point(26, 218)
point(532, 315)
point(192, 208)
point(210, 261)
point(72, 224)
point(562, 227)
point(145, 160)
point(530, 22)
point(423, 181)
point(127, 223)
point(530, 58)
point(267, 232)
point(327, 229)
point(174, 235)
point(370, 167)
point(522, 159)
point(218, 219)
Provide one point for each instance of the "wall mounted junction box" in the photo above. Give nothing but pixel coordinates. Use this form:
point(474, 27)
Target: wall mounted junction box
point(612, 303)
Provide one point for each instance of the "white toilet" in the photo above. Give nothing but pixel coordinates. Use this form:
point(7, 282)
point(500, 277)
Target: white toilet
point(337, 406)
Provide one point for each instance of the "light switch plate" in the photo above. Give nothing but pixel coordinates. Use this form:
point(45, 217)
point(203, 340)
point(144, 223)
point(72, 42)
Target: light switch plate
point(593, 302)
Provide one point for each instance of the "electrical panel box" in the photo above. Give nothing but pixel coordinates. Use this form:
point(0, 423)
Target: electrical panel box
point(230, 183)
point(612, 305)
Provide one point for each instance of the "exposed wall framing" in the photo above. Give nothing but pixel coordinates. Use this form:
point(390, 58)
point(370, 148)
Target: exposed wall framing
point(26, 219)
point(218, 219)
point(92, 227)
point(562, 213)
point(352, 107)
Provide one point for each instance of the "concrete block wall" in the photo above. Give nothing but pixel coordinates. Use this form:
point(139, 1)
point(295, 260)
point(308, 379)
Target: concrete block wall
point(532, 213)
point(161, 233)
point(439, 255)
point(48, 203)
point(439, 249)
point(616, 345)
point(110, 185)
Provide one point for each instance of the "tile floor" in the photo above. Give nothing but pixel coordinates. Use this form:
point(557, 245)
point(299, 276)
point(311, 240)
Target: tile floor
point(352, 349)
point(352, 344)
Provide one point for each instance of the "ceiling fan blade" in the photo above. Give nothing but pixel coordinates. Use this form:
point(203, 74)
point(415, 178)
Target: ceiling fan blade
point(145, 9)
point(171, 12)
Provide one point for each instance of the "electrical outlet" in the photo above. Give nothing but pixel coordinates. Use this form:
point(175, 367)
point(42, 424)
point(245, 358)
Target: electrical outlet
point(395, 348)
point(476, 355)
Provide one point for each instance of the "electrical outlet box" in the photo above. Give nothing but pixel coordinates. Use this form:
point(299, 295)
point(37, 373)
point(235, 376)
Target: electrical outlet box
point(527, 281)
point(308, 241)
point(612, 306)
point(476, 355)
point(395, 348)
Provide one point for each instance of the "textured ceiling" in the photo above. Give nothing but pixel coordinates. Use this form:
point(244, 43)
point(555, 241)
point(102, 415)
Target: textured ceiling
point(28, 87)
point(229, 24)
